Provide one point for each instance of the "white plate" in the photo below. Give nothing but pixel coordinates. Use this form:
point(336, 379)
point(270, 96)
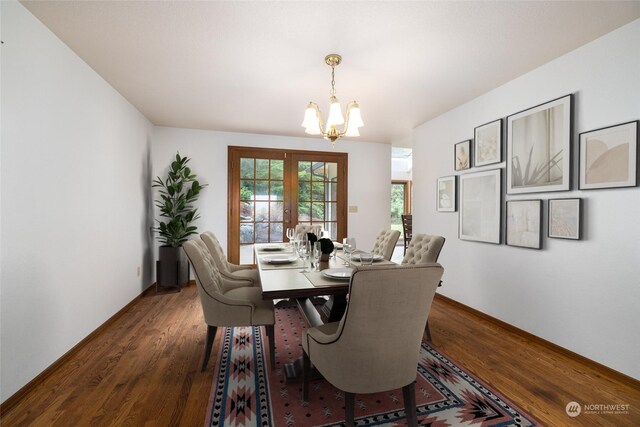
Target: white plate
point(338, 273)
point(280, 259)
point(376, 257)
point(337, 245)
point(272, 248)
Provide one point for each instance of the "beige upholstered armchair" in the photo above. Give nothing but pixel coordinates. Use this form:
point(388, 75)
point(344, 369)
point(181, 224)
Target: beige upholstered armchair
point(308, 228)
point(227, 302)
point(386, 243)
point(376, 345)
point(228, 270)
point(424, 249)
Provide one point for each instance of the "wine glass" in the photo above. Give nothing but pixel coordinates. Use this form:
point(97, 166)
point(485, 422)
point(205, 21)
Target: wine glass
point(346, 249)
point(290, 235)
point(317, 254)
point(304, 250)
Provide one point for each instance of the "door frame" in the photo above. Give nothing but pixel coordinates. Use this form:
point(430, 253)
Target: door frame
point(407, 193)
point(290, 157)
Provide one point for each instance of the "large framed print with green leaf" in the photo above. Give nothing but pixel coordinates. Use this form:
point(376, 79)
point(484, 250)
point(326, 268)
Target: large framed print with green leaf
point(480, 206)
point(539, 148)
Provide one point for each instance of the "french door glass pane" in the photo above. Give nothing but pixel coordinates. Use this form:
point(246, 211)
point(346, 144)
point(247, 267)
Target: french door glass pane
point(317, 195)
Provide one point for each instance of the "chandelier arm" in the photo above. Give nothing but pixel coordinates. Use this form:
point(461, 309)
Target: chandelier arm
point(319, 117)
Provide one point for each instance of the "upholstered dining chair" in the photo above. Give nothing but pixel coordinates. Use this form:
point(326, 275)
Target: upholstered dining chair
point(385, 243)
point(424, 249)
point(227, 269)
point(227, 302)
point(376, 345)
point(308, 228)
point(407, 230)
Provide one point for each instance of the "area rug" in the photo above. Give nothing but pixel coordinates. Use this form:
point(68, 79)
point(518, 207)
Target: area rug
point(246, 392)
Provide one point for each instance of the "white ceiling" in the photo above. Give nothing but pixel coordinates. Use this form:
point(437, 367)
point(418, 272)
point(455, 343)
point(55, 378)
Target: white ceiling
point(253, 66)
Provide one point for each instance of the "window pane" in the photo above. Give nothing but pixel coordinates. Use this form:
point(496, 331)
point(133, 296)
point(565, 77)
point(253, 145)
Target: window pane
point(332, 228)
point(331, 172)
point(246, 190)
point(276, 192)
point(246, 168)
point(246, 233)
point(262, 168)
point(262, 211)
point(246, 211)
point(262, 233)
point(276, 211)
point(317, 210)
point(332, 194)
point(304, 171)
point(331, 211)
point(317, 171)
point(304, 191)
point(262, 190)
point(303, 211)
point(276, 232)
point(318, 191)
point(277, 167)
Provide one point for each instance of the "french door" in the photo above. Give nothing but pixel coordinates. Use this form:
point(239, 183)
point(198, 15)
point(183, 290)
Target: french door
point(271, 190)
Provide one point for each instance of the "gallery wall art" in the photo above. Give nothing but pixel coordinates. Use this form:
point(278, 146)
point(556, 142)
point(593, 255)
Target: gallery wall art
point(462, 155)
point(524, 223)
point(565, 218)
point(480, 206)
point(539, 148)
point(487, 143)
point(446, 194)
point(608, 157)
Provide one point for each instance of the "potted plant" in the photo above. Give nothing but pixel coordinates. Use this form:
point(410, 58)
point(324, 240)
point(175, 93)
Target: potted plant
point(178, 192)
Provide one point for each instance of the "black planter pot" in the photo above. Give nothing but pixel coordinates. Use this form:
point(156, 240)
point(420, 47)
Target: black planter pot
point(172, 269)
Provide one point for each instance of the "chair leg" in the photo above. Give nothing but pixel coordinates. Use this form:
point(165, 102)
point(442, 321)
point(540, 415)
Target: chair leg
point(428, 331)
point(349, 409)
point(211, 335)
point(271, 333)
point(306, 370)
point(409, 394)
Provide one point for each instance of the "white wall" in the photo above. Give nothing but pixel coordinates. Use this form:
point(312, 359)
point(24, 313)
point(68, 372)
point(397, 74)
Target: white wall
point(582, 295)
point(369, 174)
point(75, 174)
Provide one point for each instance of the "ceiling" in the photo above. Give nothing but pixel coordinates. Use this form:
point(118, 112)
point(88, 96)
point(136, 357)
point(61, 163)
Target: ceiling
point(253, 66)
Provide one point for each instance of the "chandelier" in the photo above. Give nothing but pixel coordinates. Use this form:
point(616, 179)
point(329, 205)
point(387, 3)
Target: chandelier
point(313, 117)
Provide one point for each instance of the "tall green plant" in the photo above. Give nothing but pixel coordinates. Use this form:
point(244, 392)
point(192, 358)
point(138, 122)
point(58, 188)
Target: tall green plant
point(177, 193)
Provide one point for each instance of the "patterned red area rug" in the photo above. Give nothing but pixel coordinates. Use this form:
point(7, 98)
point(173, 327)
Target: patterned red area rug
point(246, 392)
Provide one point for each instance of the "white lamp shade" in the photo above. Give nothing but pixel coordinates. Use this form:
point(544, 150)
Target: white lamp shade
point(335, 113)
point(311, 122)
point(355, 119)
point(352, 131)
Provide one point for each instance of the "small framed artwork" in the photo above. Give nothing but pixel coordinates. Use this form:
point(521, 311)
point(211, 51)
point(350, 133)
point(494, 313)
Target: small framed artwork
point(524, 223)
point(480, 206)
point(565, 218)
point(446, 192)
point(462, 152)
point(487, 143)
point(539, 148)
point(609, 156)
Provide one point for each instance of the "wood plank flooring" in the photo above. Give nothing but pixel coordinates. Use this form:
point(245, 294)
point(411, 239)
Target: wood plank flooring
point(143, 370)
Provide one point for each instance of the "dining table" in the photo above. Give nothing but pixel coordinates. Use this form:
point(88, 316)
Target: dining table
point(283, 277)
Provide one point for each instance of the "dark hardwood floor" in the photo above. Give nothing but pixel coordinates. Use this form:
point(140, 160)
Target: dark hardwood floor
point(143, 369)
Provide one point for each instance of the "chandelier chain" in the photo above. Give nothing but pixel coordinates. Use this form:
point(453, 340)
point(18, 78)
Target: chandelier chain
point(333, 81)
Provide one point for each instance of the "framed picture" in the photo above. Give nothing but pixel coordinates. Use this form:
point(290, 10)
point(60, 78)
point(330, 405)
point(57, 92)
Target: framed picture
point(462, 153)
point(539, 148)
point(608, 157)
point(487, 143)
point(480, 206)
point(524, 223)
point(565, 219)
point(446, 191)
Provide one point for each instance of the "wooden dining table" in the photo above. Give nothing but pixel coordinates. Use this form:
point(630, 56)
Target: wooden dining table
point(285, 280)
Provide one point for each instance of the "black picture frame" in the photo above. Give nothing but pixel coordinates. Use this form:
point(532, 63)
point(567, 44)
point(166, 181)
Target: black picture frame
point(480, 206)
point(451, 197)
point(564, 229)
point(524, 220)
point(461, 147)
point(539, 141)
point(608, 167)
point(487, 143)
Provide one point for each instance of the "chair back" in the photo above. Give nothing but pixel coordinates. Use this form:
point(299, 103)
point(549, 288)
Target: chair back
point(215, 248)
point(308, 228)
point(378, 340)
point(208, 277)
point(423, 249)
point(385, 243)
